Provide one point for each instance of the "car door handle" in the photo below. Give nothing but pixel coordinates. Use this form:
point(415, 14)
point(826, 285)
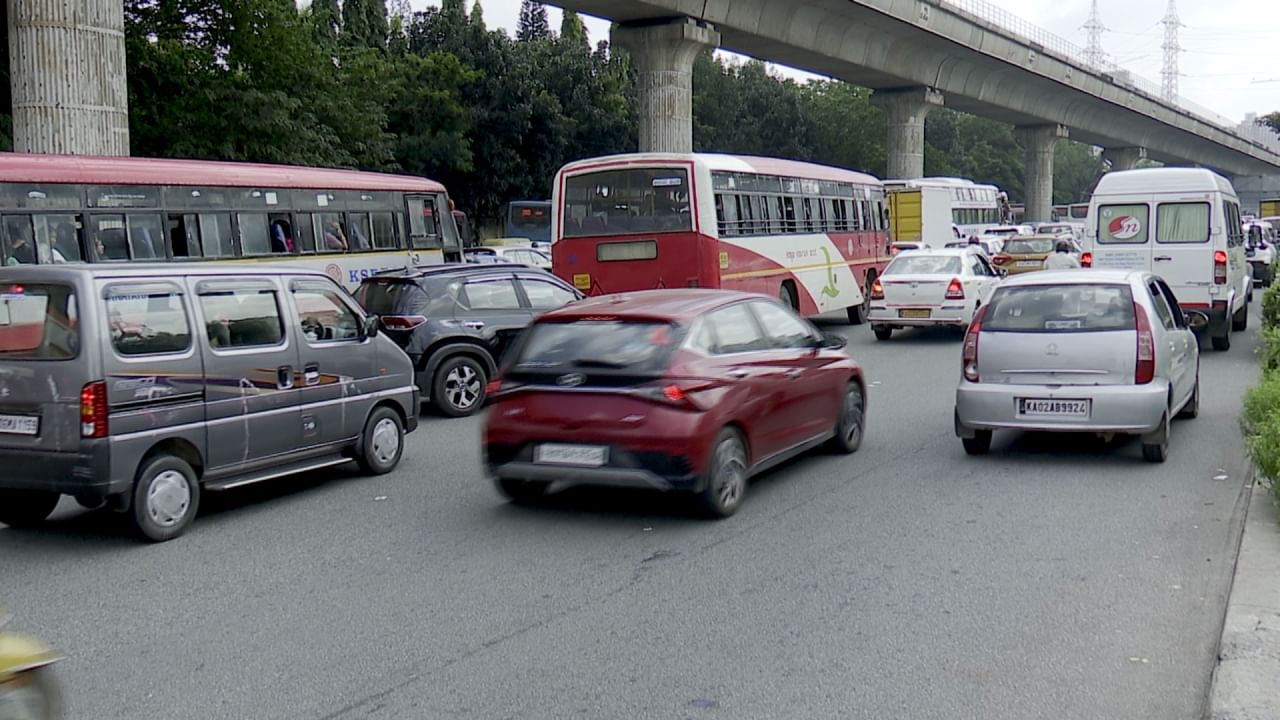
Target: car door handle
point(284, 377)
point(737, 374)
point(311, 374)
point(1162, 258)
point(474, 324)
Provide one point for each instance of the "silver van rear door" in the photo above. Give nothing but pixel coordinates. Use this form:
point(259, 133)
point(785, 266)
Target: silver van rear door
point(43, 365)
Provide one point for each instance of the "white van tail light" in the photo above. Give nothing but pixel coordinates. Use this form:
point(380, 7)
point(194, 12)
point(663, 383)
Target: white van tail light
point(955, 291)
point(969, 359)
point(1220, 267)
point(93, 410)
point(1145, 369)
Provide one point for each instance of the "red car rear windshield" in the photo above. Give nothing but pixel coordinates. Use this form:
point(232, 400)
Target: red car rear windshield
point(608, 345)
point(38, 322)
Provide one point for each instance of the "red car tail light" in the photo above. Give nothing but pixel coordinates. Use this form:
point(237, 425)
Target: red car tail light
point(1001, 259)
point(93, 410)
point(877, 290)
point(1220, 267)
point(677, 393)
point(1145, 367)
point(969, 358)
point(955, 291)
point(1086, 260)
point(402, 322)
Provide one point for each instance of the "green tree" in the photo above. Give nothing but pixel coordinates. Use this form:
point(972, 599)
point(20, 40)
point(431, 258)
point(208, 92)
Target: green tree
point(1076, 169)
point(364, 23)
point(533, 24)
point(1272, 121)
point(845, 129)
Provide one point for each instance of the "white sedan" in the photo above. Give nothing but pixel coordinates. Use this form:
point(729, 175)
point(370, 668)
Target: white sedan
point(926, 288)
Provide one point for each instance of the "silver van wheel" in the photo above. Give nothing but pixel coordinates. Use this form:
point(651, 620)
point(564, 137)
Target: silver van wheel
point(386, 440)
point(382, 443)
point(166, 497)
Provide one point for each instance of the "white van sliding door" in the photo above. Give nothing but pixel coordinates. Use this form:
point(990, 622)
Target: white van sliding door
point(1183, 252)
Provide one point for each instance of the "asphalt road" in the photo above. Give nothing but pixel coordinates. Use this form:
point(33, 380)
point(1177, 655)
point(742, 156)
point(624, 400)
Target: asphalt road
point(1056, 578)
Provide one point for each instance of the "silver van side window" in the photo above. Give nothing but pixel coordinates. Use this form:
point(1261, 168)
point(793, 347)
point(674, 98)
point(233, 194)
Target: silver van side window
point(147, 319)
point(242, 317)
point(324, 316)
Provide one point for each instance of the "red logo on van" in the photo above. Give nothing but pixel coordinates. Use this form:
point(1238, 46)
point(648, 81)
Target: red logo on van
point(1125, 227)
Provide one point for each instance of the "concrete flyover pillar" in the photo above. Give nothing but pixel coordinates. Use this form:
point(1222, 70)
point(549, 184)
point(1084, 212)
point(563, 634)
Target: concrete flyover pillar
point(1039, 142)
point(906, 111)
point(1124, 158)
point(67, 73)
point(663, 55)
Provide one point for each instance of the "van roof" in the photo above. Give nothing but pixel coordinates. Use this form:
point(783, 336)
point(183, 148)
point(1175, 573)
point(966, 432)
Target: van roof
point(1149, 181)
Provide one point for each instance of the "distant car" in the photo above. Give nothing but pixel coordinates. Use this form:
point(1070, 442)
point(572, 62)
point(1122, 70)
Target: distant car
point(1024, 254)
point(1260, 241)
point(456, 322)
point(898, 247)
point(1073, 231)
point(1095, 351)
point(924, 288)
point(986, 247)
point(676, 390)
point(527, 255)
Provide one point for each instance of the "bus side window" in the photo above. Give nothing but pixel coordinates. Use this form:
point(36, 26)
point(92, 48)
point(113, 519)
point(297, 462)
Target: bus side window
point(184, 236)
point(215, 235)
point(358, 231)
point(789, 214)
point(146, 237)
point(766, 224)
point(424, 230)
point(306, 233)
point(255, 235)
point(384, 231)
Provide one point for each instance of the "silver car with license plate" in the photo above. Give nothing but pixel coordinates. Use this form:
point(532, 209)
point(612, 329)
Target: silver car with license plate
point(1093, 351)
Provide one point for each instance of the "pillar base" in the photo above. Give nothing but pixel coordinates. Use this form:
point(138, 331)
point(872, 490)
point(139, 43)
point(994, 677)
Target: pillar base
point(905, 111)
point(663, 56)
point(1039, 142)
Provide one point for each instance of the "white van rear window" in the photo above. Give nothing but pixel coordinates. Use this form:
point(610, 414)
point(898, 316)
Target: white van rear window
point(1182, 223)
point(1123, 224)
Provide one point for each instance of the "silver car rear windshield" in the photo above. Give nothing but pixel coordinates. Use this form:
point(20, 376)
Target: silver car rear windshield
point(1060, 309)
point(924, 265)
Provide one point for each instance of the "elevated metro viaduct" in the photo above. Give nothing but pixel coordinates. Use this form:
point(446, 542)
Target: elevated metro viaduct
point(918, 55)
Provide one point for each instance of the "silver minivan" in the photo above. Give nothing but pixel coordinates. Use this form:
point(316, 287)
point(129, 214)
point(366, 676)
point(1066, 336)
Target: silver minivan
point(142, 386)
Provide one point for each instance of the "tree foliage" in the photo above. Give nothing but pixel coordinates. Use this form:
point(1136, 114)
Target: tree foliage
point(369, 84)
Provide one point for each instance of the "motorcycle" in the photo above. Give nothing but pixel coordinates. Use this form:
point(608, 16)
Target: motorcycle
point(28, 690)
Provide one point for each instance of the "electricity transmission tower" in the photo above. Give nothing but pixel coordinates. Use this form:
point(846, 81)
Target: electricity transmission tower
point(1094, 54)
point(1172, 49)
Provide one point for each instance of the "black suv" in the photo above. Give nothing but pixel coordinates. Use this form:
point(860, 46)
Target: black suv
point(457, 321)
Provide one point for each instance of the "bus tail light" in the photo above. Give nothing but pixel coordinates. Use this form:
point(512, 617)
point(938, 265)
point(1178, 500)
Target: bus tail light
point(402, 322)
point(877, 290)
point(1145, 367)
point(955, 291)
point(93, 410)
point(969, 358)
point(1219, 267)
point(1086, 260)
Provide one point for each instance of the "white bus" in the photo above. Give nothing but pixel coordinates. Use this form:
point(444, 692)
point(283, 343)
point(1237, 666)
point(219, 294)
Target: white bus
point(936, 211)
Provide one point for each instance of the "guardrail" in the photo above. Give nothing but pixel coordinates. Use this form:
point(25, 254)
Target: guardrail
point(1033, 33)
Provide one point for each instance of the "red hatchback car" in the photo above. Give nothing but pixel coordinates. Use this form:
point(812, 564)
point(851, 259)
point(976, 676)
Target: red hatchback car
point(687, 390)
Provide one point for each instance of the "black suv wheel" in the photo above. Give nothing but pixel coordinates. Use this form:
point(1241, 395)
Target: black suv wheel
point(458, 389)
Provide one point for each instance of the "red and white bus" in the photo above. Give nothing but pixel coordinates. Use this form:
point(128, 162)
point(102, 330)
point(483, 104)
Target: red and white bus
point(812, 235)
point(57, 208)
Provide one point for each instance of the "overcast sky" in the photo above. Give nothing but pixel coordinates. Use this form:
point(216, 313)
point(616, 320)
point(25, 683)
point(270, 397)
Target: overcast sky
point(1231, 63)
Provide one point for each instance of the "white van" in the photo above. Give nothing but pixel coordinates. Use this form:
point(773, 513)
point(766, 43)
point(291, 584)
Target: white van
point(1182, 224)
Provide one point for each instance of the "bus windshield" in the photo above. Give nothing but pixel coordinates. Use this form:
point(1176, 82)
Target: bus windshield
point(529, 219)
point(622, 202)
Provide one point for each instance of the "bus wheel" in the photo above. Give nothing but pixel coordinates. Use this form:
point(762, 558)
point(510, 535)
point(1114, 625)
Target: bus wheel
point(787, 294)
point(858, 314)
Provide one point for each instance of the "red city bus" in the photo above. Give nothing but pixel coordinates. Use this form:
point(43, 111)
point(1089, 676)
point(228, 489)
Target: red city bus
point(58, 208)
point(814, 236)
